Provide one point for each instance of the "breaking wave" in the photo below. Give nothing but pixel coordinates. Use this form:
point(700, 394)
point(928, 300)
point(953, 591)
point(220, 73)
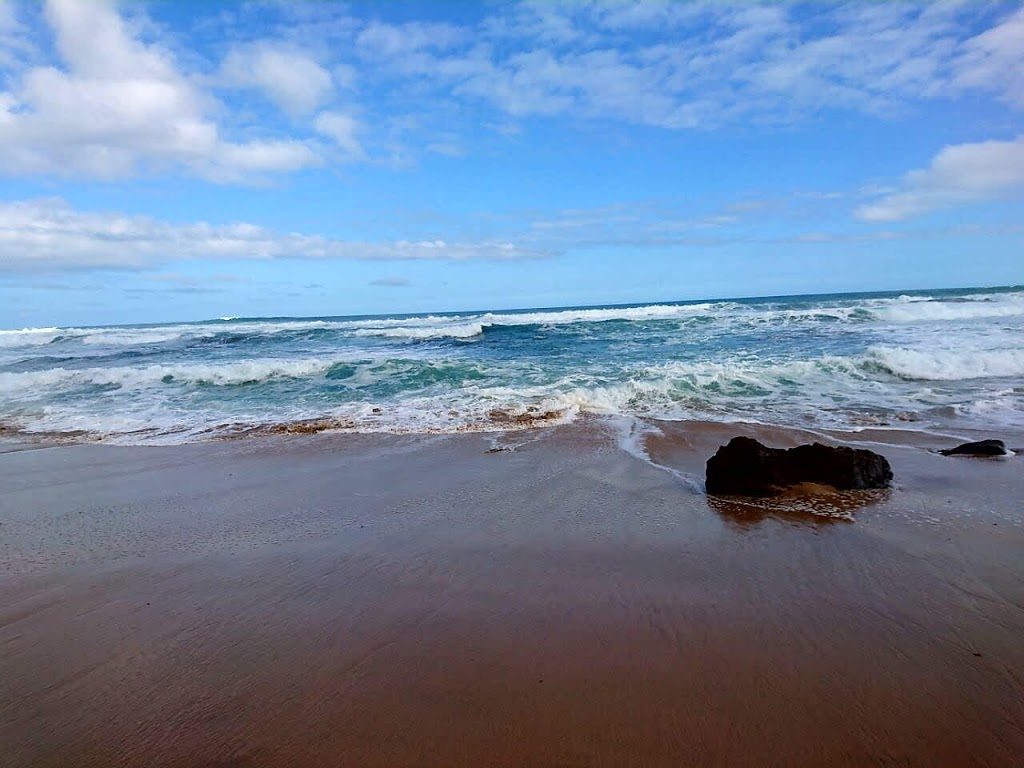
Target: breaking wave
point(28, 337)
point(947, 365)
point(245, 372)
point(931, 310)
point(839, 361)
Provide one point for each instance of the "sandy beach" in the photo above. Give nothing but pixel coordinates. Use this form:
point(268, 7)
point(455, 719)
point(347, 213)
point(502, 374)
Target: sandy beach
point(381, 600)
point(371, 375)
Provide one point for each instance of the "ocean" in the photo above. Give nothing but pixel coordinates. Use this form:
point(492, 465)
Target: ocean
point(930, 360)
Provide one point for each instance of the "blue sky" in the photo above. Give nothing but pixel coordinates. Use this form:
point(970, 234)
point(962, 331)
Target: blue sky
point(174, 161)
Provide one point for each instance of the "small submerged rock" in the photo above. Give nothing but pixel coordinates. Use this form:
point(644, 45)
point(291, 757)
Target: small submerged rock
point(979, 448)
point(239, 429)
point(531, 416)
point(304, 427)
point(745, 467)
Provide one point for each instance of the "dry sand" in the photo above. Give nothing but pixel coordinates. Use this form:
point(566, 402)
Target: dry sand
point(338, 600)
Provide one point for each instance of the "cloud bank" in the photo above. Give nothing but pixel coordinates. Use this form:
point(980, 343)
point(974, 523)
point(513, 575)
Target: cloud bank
point(50, 235)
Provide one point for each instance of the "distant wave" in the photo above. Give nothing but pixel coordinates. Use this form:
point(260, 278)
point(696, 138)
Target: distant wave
point(569, 316)
point(902, 310)
point(424, 327)
point(468, 326)
point(463, 331)
point(924, 311)
point(28, 337)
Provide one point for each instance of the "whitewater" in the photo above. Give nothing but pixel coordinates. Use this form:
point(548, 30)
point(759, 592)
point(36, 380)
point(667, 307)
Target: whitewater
point(926, 360)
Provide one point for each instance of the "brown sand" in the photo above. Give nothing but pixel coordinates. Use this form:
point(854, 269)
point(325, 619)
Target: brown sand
point(384, 601)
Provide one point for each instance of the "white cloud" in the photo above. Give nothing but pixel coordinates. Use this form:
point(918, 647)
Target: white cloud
point(538, 21)
point(240, 161)
point(341, 129)
point(686, 65)
point(958, 174)
point(994, 60)
point(289, 77)
point(120, 105)
point(14, 37)
point(49, 234)
point(384, 41)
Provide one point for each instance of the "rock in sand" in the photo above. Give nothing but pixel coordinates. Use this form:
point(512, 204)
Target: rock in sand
point(979, 448)
point(745, 467)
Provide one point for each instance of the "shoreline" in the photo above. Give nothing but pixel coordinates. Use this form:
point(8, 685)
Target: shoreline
point(422, 600)
point(532, 420)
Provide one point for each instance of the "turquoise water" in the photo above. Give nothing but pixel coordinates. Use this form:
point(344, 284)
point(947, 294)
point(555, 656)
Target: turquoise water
point(927, 359)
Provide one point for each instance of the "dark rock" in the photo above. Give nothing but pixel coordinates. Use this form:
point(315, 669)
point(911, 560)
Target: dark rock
point(980, 448)
point(745, 467)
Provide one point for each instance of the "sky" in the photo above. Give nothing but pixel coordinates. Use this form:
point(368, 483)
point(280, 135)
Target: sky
point(184, 160)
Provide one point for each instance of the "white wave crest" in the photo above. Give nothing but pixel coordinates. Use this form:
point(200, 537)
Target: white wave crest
point(28, 337)
point(979, 307)
point(948, 365)
point(130, 335)
point(569, 316)
point(467, 326)
point(463, 331)
point(33, 382)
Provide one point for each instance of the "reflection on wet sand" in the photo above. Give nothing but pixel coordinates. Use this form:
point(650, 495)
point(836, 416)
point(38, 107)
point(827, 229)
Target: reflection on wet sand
point(806, 503)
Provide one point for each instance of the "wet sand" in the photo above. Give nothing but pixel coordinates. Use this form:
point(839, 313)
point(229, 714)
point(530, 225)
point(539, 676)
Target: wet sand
point(340, 600)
